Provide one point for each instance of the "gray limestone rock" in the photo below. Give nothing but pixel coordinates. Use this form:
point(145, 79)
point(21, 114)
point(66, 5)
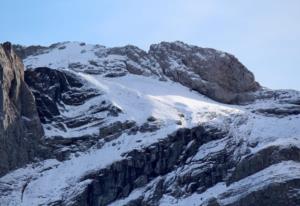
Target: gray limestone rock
point(216, 74)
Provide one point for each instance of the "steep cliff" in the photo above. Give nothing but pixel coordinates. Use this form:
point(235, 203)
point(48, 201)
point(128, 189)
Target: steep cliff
point(20, 127)
point(216, 74)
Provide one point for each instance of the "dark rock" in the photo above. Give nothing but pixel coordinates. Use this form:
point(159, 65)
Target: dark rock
point(23, 52)
point(52, 87)
point(149, 127)
point(280, 112)
point(136, 202)
point(212, 202)
point(138, 61)
point(78, 122)
point(151, 119)
point(76, 66)
point(61, 47)
point(141, 181)
point(93, 63)
point(141, 166)
point(263, 159)
point(296, 102)
point(115, 74)
point(116, 128)
point(274, 194)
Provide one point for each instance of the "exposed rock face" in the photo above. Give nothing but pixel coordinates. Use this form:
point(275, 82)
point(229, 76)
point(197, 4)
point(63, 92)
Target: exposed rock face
point(24, 52)
point(55, 90)
point(142, 166)
point(213, 73)
point(281, 112)
point(20, 127)
point(52, 87)
point(166, 168)
point(275, 194)
point(137, 61)
point(263, 159)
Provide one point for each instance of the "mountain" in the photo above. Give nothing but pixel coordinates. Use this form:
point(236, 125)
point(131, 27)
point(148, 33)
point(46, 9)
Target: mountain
point(177, 125)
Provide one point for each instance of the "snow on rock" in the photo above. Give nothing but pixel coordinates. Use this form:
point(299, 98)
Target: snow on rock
point(275, 174)
point(213, 73)
point(139, 98)
point(136, 85)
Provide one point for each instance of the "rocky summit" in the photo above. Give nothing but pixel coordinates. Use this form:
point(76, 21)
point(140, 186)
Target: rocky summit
point(87, 125)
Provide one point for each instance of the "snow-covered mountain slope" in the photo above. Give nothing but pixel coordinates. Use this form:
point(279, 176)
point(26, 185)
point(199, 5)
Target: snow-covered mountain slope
point(122, 129)
point(213, 73)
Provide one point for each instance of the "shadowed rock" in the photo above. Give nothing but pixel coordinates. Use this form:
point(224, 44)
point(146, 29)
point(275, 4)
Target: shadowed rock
point(50, 87)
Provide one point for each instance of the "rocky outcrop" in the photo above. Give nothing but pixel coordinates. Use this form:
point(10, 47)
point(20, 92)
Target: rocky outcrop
point(137, 61)
point(53, 88)
point(280, 112)
point(169, 167)
point(274, 194)
point(24, 52)
point(262, 159)
point(20, 127)
point(215, 74)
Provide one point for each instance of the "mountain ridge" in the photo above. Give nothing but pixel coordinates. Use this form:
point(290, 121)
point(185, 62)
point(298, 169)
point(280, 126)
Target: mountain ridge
point(124, 128)
point(213, 73)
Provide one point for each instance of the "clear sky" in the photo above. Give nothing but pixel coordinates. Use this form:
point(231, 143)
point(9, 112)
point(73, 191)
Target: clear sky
point(263, 34)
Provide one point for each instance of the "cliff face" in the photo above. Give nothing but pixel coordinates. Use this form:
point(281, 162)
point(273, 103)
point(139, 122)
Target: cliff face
point(216, 74)
point(20, 127)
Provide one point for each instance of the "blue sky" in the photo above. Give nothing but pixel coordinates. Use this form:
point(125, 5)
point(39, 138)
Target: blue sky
point(264, 35)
